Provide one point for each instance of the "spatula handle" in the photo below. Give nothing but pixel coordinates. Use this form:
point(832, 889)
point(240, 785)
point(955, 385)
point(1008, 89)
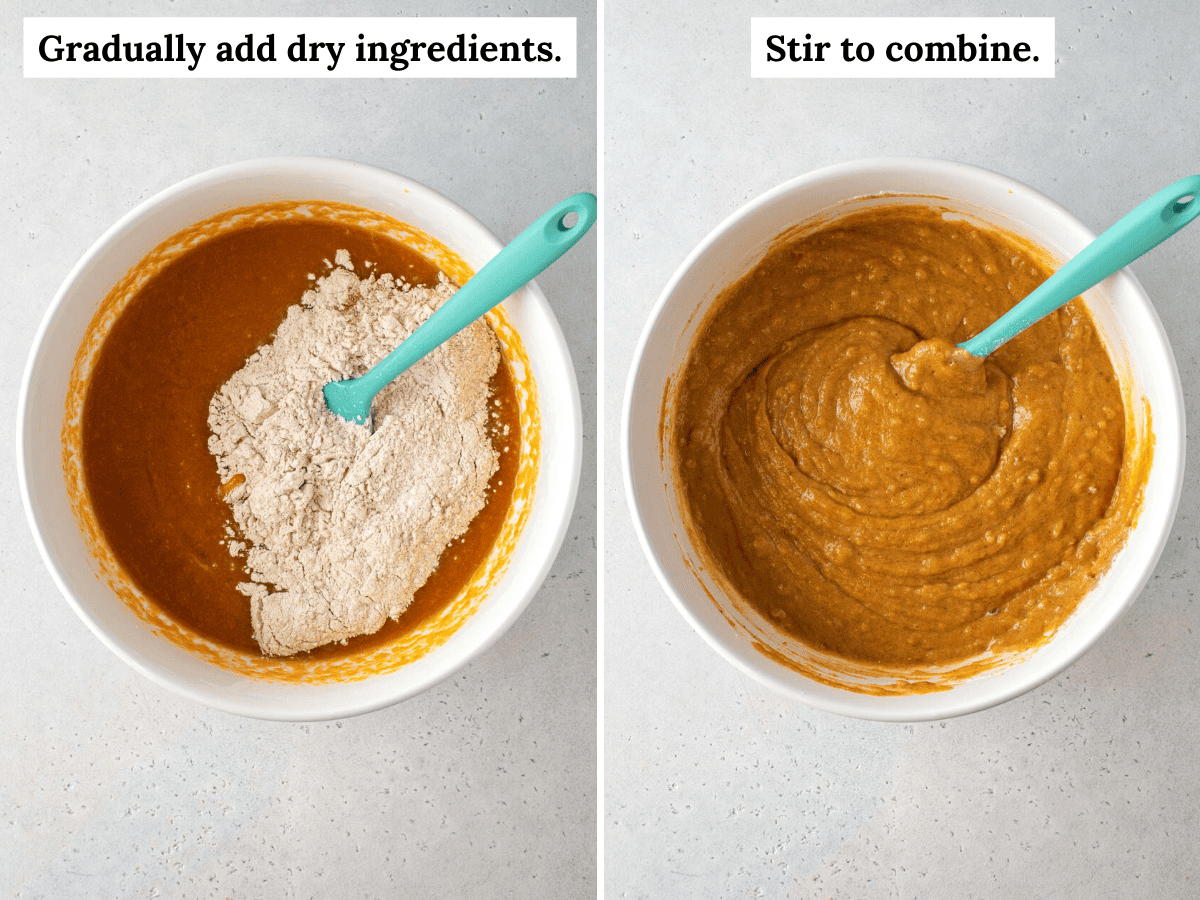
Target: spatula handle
point(1146, 227)
point(526, 257)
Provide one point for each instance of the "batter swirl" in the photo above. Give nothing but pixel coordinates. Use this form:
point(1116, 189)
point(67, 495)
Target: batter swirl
point(873, 491)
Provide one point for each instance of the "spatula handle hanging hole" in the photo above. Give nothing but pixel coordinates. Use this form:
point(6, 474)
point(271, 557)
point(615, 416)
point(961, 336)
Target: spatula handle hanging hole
point(569, 221)
point(1183, 203)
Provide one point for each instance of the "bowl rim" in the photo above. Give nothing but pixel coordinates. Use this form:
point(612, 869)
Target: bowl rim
point(936, 705)
point(569, 443)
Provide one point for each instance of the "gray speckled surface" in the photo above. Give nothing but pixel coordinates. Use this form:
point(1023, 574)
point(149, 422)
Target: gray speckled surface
point(485, 786)
point(714, 786)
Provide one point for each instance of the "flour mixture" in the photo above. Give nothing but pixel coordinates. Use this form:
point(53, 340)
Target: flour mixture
point(342, 526)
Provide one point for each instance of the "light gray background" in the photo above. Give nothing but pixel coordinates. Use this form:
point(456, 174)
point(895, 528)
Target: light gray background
point(1085, 788)
point(484, 786)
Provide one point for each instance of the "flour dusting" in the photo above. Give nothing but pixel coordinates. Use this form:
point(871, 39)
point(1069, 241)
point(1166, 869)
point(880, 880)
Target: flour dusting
point(342, 526)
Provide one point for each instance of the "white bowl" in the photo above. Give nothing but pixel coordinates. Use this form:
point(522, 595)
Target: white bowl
point(1122, 313)
point(40, 420)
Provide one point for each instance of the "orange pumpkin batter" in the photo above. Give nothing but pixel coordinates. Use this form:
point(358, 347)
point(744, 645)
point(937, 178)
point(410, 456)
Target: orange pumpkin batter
point(152, 482)
point(892, 506)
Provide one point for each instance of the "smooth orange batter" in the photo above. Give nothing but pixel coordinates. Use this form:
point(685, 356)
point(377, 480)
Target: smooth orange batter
point(887, 500)
point(151, 480)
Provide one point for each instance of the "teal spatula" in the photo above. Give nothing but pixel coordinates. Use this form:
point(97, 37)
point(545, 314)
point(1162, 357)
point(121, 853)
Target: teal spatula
point(532, 252)
point(1141, 230)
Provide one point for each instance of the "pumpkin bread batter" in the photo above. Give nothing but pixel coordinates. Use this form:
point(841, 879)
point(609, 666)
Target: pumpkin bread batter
point(876, 493)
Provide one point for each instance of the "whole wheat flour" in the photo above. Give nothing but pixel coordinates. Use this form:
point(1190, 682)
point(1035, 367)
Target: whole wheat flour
point(342, 525)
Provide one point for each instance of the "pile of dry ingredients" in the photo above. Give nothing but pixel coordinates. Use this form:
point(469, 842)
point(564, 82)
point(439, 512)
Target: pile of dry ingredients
point(343, 526)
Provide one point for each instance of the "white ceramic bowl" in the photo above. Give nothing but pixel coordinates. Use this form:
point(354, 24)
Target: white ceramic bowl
point(41, 410)
point(1120, 308)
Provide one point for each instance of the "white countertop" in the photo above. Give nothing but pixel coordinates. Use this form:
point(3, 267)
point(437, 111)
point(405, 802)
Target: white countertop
point(716, 787)
point(485, 786)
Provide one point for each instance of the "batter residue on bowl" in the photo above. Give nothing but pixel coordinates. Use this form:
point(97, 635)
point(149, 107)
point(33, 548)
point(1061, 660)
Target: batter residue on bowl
point(893, 508)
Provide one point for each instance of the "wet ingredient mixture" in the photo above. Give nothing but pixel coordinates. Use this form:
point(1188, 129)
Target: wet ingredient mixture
point(875, 493)
point(152, 483)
